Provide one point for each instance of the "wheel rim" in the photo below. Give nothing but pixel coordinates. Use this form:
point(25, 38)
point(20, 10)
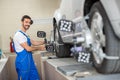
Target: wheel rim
point(97, 29)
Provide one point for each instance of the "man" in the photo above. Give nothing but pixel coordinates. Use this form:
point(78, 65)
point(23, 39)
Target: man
point(24, 63)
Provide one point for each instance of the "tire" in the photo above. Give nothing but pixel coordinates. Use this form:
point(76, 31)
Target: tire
point(112, 43)
point(62, 50)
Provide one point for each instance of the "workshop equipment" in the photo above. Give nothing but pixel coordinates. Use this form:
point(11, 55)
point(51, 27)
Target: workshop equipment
point(84, 49)
point(85, 41)
point(11, 45)
point(48, 44)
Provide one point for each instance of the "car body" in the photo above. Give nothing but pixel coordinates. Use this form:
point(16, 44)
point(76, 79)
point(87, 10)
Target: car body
point(72, 9)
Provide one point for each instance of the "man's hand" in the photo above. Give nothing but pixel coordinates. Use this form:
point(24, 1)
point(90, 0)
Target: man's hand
point(42, 42)
point(42, 48)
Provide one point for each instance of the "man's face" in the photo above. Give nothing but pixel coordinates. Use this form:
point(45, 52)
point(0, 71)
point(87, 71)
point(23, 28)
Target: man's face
point(26, 23)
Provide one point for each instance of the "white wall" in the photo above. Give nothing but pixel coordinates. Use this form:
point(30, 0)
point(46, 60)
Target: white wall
point(11, 12)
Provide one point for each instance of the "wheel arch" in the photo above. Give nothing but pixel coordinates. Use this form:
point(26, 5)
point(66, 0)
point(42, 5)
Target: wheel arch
point(87, 5)
point(54, 21)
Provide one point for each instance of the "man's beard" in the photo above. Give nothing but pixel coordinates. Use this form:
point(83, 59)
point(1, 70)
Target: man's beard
point(24, 26)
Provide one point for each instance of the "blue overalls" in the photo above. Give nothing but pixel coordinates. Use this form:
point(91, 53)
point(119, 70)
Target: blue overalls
point(24, 63)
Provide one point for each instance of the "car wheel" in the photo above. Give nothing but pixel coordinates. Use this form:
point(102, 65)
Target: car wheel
point(62, 50)
point(104, 35)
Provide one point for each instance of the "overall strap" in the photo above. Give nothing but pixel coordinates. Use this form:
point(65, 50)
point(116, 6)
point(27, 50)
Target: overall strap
point(23, 33)
point(28, 39)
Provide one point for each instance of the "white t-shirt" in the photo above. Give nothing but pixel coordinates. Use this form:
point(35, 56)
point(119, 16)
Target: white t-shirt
point(18, 39)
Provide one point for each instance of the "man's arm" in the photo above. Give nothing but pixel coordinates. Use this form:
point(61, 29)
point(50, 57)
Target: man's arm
point(32, 48)
point(36, 43)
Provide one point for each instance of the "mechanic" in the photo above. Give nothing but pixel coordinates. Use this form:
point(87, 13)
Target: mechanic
point(23, 46)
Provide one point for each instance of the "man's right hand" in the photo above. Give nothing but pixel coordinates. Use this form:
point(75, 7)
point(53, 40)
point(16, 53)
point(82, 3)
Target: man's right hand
point(42, 48)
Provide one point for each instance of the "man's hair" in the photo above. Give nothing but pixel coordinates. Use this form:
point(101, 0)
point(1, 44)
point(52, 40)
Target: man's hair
point(27, 17)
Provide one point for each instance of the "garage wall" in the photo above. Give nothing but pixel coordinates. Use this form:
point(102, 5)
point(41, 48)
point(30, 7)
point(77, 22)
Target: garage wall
point(11, 12)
